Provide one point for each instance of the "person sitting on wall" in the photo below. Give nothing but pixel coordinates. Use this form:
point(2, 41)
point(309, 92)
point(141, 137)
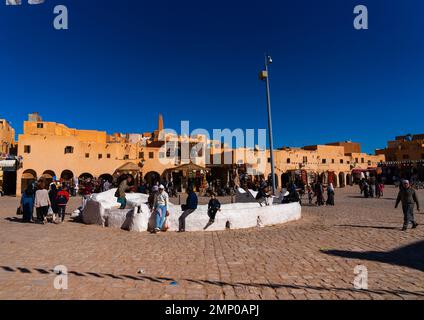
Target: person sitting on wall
point(213, 207)
point(262, 196)
point(188, 208)
point(120, 193)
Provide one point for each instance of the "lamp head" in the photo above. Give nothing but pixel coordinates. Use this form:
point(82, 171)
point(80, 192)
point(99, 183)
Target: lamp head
point(269, 59)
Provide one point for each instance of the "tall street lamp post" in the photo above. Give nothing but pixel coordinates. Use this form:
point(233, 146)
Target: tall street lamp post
point(265, 76)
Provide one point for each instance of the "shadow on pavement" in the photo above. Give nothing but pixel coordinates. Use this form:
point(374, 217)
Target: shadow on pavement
point(368, 227)
point(172, 281)
point(411, 256)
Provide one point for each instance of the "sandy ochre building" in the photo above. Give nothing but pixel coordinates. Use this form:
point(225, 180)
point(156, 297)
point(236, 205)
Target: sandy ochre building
point(404, 157)
point(51, 150)
point(7, 147)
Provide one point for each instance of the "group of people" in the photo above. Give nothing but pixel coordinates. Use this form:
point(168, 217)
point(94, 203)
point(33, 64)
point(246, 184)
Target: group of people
point(371, 188)
point(158, 202)
point(49, 202)
point(317, 190)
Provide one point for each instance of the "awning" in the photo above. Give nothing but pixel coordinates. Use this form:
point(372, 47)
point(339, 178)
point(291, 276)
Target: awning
point(8, 165)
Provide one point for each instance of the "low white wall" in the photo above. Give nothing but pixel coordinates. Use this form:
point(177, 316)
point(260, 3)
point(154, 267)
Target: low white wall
point(238, 215)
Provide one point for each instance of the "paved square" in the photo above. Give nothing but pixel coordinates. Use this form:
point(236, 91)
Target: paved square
point(313, 258)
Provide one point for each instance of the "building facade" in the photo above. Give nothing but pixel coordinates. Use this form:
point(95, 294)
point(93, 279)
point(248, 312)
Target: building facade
point(7, 161)
point(51, 150)
point(404, 157)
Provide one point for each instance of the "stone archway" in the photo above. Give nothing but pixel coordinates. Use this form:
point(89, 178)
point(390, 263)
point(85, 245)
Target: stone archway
point(342, 181)
point(66, 175)
point(152, 177)
point(106, 177)
point(48, 176)
point(29, 176)
point(349, 179)
point(270, 180)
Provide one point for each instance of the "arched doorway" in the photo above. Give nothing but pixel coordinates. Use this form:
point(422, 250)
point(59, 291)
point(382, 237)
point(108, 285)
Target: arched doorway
point(66, 176)
point(270, 180)
point(152, 177)
point(85, 176)
point(349, 179)
point(48, 176)
point(285, 179)
point(342, 182)
point(28, 177)
point(106, 177)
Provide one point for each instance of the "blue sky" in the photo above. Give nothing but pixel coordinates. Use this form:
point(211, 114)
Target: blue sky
point(122, 62)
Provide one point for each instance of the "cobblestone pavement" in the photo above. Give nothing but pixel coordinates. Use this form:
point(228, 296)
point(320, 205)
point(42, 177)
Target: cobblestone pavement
point(313, 258)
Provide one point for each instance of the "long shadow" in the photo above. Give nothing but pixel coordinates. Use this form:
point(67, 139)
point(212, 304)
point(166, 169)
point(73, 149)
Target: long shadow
point(367, 227)
point(167, 281)
point(411, 256)
point(14, 219)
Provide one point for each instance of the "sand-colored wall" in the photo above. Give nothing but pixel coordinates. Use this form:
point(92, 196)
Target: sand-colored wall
point(7, 136)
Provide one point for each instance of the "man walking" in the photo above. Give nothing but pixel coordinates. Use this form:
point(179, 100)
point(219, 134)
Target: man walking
point(408, 197)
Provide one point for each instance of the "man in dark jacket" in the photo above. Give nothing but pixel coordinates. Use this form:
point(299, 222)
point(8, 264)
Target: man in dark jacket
point(188, 208)
point(408, 197)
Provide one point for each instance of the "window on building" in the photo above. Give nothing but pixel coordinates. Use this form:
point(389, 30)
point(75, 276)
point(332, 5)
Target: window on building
point(405, 156)
point(69, 149)
point(362, 160)
point(100, 156)
point(324, 161)
point(348, 162)
point(341, 161)
point(126, 157)
point(288, 160)
point(269, 160)
point(305, 159)
point(258, 160)
point(27, 149)
point(40, 125)
point(356, 160)
point(333, 161)
point(369, 162)
point(87, 155)
point(108, 156)
point(151, 155)
point(141, 155)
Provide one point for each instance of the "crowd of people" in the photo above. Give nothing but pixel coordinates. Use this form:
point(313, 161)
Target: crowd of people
point(49, 201)
point(371, 187)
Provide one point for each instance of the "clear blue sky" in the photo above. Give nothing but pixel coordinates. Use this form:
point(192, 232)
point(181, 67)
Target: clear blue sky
point(122, 62)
